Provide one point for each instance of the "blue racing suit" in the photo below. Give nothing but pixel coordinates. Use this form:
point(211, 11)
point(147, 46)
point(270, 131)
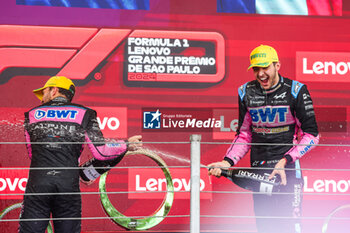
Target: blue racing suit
point(275, 119)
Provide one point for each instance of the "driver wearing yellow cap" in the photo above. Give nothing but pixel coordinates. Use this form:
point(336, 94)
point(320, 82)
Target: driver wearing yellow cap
point(56, 85)
point(275, 113)
point(49, 129)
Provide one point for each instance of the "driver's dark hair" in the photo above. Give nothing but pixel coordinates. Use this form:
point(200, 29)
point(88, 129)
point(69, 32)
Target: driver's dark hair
point(69, 94)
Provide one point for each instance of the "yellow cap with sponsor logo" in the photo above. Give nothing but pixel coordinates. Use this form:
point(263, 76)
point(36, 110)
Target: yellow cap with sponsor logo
point(56, 81)
point(263, 56)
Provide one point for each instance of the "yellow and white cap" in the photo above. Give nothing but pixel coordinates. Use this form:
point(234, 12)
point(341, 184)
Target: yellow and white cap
point(263, 56)
point(56, 81)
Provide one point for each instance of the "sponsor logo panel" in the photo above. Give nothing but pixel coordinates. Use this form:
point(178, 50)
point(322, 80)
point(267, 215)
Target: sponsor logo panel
point(13, 182)
point(229, 123)
point(112, 121)
point(174, 56)
point(323, 67)
point(154, 180)
point(327, 182)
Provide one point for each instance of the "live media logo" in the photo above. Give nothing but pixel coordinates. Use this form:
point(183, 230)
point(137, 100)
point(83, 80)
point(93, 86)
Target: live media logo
point(180, 119)
point(152, 119)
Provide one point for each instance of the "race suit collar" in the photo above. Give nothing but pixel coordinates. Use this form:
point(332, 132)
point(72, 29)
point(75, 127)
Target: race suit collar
point(60, 99)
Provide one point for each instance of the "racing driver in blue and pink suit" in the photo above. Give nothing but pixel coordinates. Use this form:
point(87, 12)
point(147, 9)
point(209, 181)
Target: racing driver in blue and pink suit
point(56, 132)
point(274, 113)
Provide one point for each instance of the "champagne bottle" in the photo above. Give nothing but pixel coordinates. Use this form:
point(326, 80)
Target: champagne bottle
point(256, 180)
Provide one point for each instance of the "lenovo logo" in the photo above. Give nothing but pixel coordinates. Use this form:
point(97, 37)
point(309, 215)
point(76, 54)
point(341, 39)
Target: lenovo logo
point(326, 185)
point(229, 123)
point(323, 67)
point(326, 182)
point(154, 180)
point(112, 121)
point(13, 182)
point(153, 184)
